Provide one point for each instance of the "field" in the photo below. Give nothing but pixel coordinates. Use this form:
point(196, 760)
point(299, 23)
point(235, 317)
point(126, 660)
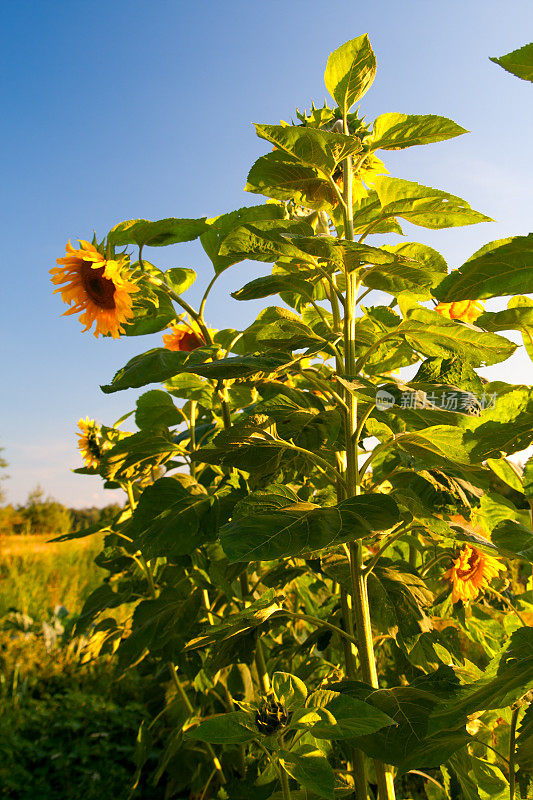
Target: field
point(67, 728)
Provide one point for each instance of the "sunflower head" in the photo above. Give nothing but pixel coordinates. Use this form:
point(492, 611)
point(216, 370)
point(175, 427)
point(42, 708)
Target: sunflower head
point(96, 287)
point(471, 573)
point(185, 336)
point(464, 310)
point(90, 442)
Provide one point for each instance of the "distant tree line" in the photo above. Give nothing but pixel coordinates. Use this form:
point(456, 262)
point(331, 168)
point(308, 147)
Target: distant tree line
point(44, 515)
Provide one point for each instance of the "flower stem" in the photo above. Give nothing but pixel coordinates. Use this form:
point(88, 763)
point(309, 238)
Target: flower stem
point(512, 752)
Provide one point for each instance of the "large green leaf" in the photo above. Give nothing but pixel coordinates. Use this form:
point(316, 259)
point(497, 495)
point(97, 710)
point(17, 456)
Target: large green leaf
point(264, 241)
point(155, 409)
point(434, 335)
point(160, 625)
point(156, 234)
point(343, 717)
point(519, 62)
point(168, 519)
point(146, 449)
point(348, 255)
point(304, 527)
point(499, 268)
point(282, 177)
point(422, 205)
point(513, 539)
point(154, 366)
point(235, 727)
point(416, 267)
point(274, 284)
point(219, 227)
point(506, 428)
point(437, 445)
point(505, 681)
point(312, 147)
point(241, 366)
point(397, 131)
point(520, 301)
point(289, 690)
point(350, 72)
point(311, 769)
point(369, 216)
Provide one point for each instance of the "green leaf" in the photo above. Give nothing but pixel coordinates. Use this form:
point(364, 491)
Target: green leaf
point(519, 301)
point(524, 748)
point(304, 527)
point(505, 428)
point(437, 445)
point(350, 72)
point(434, 335)
point(499, 268)
point(502, 684)
point(273, 284)
point(422, 205)
point(343, 718)
point(397, 131)
point(180, 278)
point(235, 727)
point(154, 366)
point(504, 471)
point(241, 366)
point(191, 387)
point(289, 690)
point(146, 449)
point(418, 266)
point(264, 241)
point(220, 227)
point(168, 519)
point(519, 62)
point(368, 215)
point(156, 234)
point(311, 769)
point(155, 409)
point(513, 539)
point(282, 177)
point(161, 625)
point(452, 371)
point(310, 146)
point(150, 317)
point(528, 479)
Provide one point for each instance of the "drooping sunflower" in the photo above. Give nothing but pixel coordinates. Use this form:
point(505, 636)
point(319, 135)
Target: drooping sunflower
point(183, 337)
point(471, 573)
point(464, 310)
point(97, 286)
point(89, 443)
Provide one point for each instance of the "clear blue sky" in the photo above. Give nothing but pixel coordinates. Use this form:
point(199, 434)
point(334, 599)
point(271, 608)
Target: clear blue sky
point(130, 109)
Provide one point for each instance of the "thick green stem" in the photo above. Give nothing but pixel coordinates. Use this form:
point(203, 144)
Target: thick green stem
point(358, 578)
point(192, 433)
point(284, 780)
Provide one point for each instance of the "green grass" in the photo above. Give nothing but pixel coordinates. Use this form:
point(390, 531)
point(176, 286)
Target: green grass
point(36, 575)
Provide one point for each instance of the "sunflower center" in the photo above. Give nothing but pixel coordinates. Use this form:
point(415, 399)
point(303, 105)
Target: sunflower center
point(470, 566)
point(100, 290)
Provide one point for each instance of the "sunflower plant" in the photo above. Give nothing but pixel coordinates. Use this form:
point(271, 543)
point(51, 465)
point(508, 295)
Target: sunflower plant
point(325, 556)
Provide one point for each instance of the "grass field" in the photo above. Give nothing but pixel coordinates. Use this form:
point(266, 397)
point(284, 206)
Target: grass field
point(37, 575)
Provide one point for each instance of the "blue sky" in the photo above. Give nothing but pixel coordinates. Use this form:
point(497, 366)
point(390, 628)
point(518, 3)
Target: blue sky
point(131, 109)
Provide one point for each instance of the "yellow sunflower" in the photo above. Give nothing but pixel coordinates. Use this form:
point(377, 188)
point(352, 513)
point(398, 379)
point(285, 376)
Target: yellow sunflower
point(182, 337)
point(89, 443)
point(465, 310)
point(97, 286)
point(471, 573)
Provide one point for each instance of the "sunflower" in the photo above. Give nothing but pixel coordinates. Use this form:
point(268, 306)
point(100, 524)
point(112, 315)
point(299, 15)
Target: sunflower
point(184, 337)
point(465, 310)
point(471, 573)
point(89, 443)
point(97, 286)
